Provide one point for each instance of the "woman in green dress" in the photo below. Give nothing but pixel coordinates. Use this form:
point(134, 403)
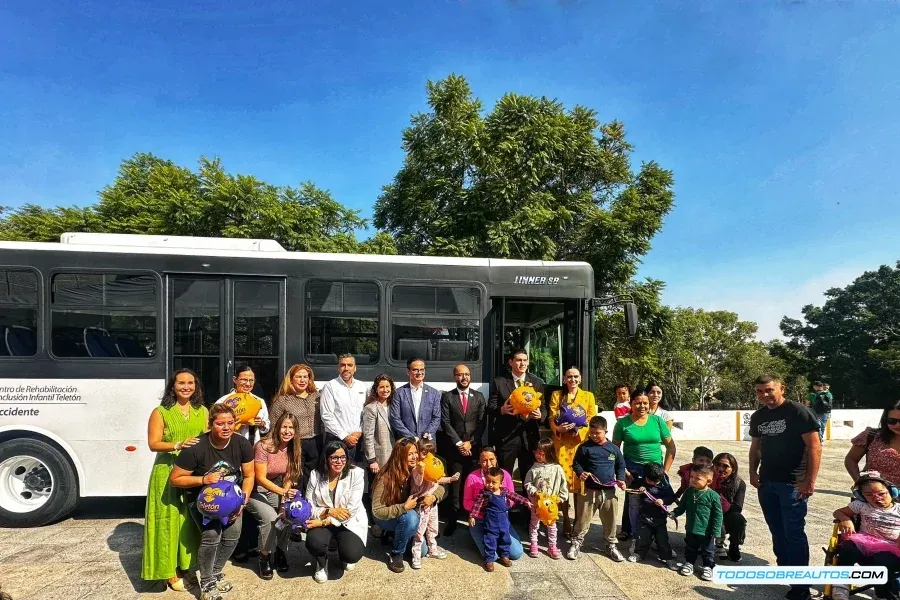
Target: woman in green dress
point(170, 536)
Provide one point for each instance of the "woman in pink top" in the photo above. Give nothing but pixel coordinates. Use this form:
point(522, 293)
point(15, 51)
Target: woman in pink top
point(880, 447)
point(473, 486)
point(278, 464)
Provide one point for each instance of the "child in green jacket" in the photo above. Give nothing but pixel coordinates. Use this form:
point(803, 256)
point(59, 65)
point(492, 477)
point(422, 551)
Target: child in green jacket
point(704, 521)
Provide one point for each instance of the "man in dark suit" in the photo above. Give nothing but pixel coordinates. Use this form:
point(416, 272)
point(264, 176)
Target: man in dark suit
point(463, 418)
point(515, 437)
point(416, 407)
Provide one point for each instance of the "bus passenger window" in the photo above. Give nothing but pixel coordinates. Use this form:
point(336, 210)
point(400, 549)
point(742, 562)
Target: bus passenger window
point(18, 312)
point(435, 323)
point(97, 315)
point(342, 318)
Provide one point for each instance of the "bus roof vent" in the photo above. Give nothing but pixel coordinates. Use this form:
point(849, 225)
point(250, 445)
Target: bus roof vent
point(170, 241)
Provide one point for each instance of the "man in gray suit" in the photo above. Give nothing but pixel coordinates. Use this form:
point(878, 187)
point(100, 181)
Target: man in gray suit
point(416, 407)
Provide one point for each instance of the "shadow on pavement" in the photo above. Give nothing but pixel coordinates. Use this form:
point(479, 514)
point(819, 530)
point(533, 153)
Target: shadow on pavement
point(110, 508)
point(127, 540)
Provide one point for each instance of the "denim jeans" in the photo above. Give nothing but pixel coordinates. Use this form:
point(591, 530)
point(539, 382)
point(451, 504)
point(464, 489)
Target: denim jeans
point(515, 545)
point(404, 527)
point(785, 515)
point(823, 421)
point(217, 542)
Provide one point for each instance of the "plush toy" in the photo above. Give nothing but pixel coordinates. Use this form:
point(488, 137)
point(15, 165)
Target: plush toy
point(574, 414)
point(432, 468)
point(297, 512)
point(219, 500)
point(245, 407)
point(547, 508)
point(524, 400)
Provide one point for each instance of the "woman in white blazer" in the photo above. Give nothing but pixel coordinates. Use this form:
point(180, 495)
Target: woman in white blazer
point(335, 490)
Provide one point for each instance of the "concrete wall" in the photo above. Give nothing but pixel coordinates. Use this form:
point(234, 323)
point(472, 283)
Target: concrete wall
point(735, 424)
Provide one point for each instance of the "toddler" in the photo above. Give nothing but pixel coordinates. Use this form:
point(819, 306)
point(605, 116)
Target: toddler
point(428, 515)
point(622, 406)
point(703, 507)
point(492, 505)
point(652, 515)
point(545, 476)
point(876, 543)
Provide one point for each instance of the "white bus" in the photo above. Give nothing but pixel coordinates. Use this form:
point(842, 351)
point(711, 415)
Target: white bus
point(91, 327)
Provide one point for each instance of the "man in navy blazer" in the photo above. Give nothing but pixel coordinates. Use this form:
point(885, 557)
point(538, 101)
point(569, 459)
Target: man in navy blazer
point(416, 407)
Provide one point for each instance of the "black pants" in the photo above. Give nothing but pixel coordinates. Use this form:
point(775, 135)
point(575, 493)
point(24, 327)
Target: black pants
point(735, 525)
point(849, 554)
point(464, 465)
point(350, 547)
point(514, 449)
point(311, 448)
point(700, 545)
point(649, 531)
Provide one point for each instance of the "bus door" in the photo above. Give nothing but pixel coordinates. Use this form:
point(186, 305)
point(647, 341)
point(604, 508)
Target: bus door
point(219, 322)
point(553, 331)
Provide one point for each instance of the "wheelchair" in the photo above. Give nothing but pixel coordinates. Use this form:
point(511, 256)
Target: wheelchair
point(831, 552)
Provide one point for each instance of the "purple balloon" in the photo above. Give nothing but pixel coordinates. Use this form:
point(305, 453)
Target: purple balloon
point(297, 511)
point(219, 500)
point(573, 414)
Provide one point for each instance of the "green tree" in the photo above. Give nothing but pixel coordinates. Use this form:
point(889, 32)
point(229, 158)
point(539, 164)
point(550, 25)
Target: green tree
point(528, 180)
point(156, 196)
point(853, 340)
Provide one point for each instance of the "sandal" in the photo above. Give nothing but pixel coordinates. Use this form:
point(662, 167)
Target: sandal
point(177, 586)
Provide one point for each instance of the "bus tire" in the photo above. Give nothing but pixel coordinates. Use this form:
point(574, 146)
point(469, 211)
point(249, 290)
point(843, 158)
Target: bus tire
point(37, 483)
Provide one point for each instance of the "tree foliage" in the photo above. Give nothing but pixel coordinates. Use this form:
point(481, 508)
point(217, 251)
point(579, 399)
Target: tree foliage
point(528, 180)
point(156, 196)
point(853, 340)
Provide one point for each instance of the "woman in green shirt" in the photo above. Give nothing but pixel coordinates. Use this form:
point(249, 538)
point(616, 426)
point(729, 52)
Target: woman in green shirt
point(640, 436)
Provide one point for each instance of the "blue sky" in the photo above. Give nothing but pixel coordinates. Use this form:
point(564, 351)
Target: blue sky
point(779, 119)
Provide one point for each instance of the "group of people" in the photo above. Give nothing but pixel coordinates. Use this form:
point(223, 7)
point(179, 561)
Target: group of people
point(349, 445)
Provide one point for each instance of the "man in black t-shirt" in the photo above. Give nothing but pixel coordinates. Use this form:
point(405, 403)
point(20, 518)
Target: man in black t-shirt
point(217, 455)
point(784, 461)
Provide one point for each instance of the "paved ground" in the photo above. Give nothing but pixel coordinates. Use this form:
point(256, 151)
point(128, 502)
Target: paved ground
point(97, 554)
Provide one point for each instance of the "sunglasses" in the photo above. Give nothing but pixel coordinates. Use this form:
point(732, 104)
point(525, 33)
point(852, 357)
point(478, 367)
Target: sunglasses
point(891, 421)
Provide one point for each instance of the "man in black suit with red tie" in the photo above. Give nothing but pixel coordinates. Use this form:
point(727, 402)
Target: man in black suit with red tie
point(463, 418)
point(515, 437)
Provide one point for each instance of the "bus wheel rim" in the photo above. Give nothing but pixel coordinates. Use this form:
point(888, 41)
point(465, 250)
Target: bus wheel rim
point(26, 484)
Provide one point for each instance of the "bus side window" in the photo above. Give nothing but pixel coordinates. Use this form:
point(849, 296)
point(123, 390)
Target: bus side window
point(342, 318)
point(104, 315)
point(435, 323)
point(18, 312)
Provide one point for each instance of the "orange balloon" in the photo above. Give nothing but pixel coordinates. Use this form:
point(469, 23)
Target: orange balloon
point(245, 406)
point(524, 400)
point(432, 468)
point(547, 508)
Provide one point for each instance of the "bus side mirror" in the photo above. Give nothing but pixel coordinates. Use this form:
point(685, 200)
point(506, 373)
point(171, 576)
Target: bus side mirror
point(631, 318)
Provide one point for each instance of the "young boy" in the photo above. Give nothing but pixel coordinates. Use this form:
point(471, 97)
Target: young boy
point(876, 543)
point(600, 465)
point(492, 505)
point(622, 406)
point(704, 521)
point(703, 457)
point(652, 520)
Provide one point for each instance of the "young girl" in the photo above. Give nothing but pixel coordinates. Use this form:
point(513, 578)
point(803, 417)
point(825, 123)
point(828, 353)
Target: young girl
point(428, 515)
point(732, 490)
point(546, 476)
point(704, 522)
point(876, 543)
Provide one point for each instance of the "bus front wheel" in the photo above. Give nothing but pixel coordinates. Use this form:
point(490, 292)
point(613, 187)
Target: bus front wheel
point(37, 484)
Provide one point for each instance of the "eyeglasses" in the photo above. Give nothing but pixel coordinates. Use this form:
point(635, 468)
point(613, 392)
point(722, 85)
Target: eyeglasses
point(891, 421)
point(417, 370)
point(879, 494)
point(337, 458)
point(246, 381)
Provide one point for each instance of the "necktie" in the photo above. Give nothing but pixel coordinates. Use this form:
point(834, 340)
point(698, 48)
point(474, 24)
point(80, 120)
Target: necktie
point(518, 383)
point(465, 401)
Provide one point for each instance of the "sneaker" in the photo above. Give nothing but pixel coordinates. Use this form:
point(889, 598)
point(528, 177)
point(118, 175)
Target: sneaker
point(505, 561)
point(320, 576)
point(554, 553)
point(533, 551)
point(706, 573)
point(839, 592)
point(632, 558)
point(614, 554)
point(574, 550)
point(721, 552)
point(437, 553)
point(734, 554)
point(416, 563)
point(349, 566)
point(396, 565)
point(211, 593)
point(223, 585)
point(687, 569)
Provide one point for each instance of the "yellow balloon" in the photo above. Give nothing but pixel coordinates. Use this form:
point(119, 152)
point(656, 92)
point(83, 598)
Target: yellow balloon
point(245, 406)
point(432, 468)
point(547, 508)
point(524, 400)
